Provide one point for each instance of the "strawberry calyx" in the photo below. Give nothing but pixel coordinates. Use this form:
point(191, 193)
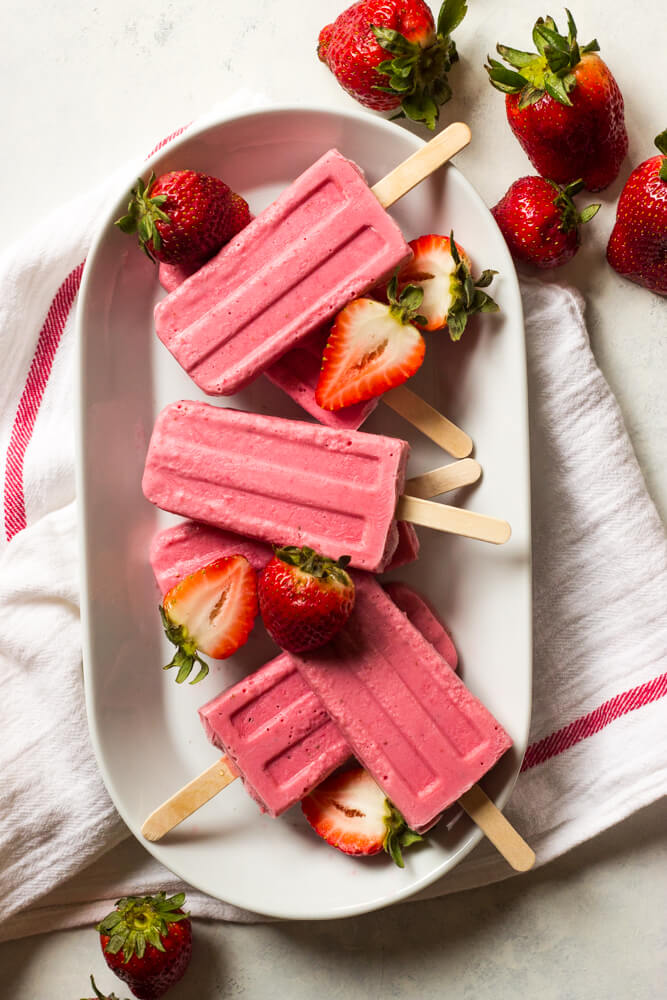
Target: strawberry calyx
point(98, 994)
point(398, 834)
point(570, 216)
point(143, 212)
point(186, 654)
point(139, 921)
point(467, 295)
point(405, 307)
point(313, 564)
point(550, 70)
point(661, 143)
point(418, 73)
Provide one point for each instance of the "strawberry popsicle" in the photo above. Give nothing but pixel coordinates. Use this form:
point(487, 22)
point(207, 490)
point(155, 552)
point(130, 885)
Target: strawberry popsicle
point(182, 549)
point(276, 733)
point(282, 481)
point(324, 241)
point(424, 738)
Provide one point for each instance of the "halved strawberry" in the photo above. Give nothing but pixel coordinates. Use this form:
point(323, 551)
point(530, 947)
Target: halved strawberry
point(443, 270)
point(373, 346)
point(212, 611)
point(351, 813)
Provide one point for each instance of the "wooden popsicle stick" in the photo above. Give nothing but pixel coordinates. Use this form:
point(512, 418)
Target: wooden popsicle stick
point(412, 171)
point(482, 811)
point(453, 519)
point(445, 478)
point(428, 420)
point(497, 829)
point(190, 798)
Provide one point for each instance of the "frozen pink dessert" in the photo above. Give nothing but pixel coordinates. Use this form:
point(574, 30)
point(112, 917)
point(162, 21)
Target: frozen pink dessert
point(286, 482)
point(275, 731)
point(424, 618)
point(414, 726)
point(323, 242)
point(182, 549)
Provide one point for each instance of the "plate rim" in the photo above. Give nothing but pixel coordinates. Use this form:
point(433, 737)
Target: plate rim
point(211, 122)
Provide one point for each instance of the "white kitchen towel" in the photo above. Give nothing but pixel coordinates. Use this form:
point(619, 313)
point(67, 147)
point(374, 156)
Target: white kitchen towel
point(598, 738)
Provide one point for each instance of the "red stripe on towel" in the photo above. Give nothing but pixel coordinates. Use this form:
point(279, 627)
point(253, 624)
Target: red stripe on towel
point(593, 722)
point(31, 398)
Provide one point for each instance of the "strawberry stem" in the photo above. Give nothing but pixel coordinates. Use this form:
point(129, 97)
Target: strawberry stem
point(142, 214)
point(467, 295)
point(419, 75)
point(186, 654)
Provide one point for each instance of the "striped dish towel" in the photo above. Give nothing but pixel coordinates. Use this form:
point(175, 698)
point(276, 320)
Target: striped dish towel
point(598, 743)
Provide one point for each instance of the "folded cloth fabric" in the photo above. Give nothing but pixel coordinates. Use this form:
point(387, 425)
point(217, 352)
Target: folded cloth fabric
point(598, 738)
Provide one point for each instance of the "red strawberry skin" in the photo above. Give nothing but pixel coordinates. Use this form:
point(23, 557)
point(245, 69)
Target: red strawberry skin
point(198, 207)
point(302, 611)
point(531, 224)
point(150, 976)
point(350, 50)
point(637, 247)
point(587, 140)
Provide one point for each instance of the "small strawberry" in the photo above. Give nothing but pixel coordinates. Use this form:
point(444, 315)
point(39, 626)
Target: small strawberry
point(389, 54)
point(213, 611)
point(540, 222)
point(442, 269)
point(183, 217)
point(638, 244)
point(147, 942)
point(351, 813)
point(98, 995)
point(305, 598)
point(373, 346)
point(564, 106)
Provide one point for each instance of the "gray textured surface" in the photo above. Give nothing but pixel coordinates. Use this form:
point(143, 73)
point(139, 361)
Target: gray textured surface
point(88, 86)
point(590, 926)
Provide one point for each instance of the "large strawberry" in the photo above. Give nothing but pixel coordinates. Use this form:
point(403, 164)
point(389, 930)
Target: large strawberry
point(389, 54)
point(372, 347)
point(442, 269)
point(147, 942)
point(184, 217)
point(638, 244)
point(540, 222)
point(305, 598)
point(351, 813)
point(211, 611)
point(564, 106)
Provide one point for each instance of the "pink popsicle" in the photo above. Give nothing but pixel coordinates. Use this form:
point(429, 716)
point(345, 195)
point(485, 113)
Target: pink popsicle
point(324, 241)
point(281, 481)
point(275, 731)
point(297, 371)
point(183, 548)
point(415, 727)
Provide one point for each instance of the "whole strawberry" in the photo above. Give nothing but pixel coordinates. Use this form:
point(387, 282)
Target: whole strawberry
point(183, 217)
point(540, 222)
point(564, 106)
point(304, 598)
point(147, 942)
point(638, 244)
point(389, 54)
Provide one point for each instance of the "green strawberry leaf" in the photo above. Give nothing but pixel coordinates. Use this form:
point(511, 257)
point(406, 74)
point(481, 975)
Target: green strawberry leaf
point(451, 14)
point(515, 57)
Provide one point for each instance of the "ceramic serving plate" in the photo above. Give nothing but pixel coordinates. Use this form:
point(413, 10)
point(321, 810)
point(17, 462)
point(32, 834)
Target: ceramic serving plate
point(144, 726)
